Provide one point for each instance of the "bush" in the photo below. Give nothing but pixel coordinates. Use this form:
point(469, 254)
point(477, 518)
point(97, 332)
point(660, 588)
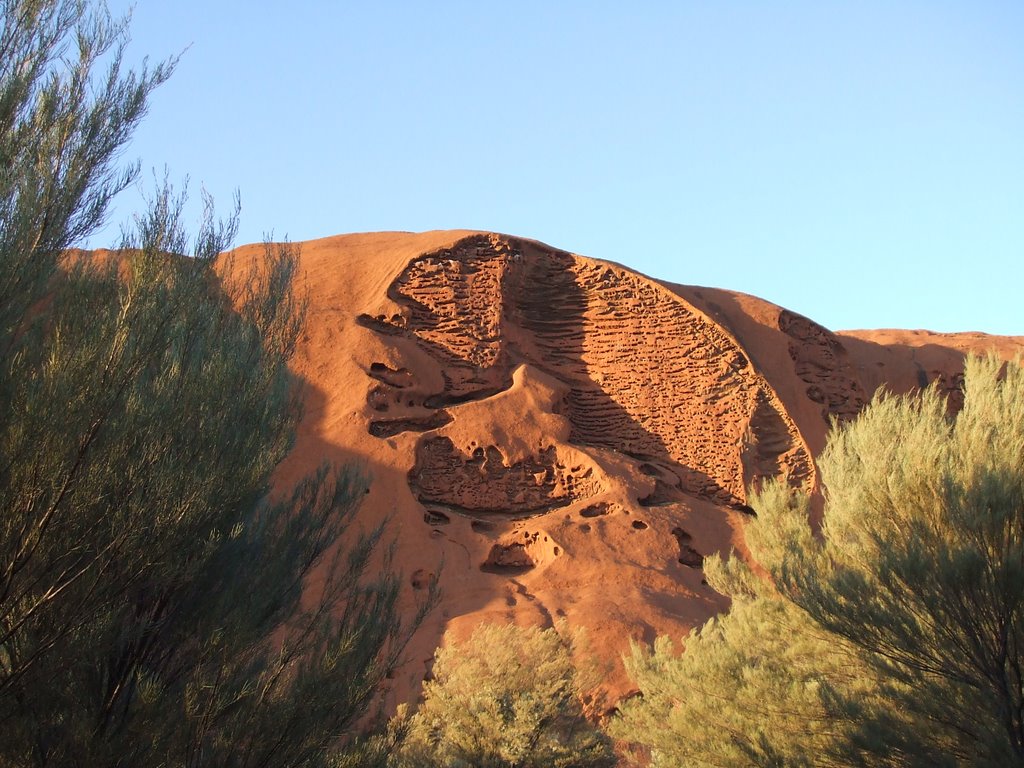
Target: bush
point(506, 698)
point(897, 635)
point(153, 603)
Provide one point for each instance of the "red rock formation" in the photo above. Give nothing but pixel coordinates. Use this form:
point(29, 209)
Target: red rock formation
point(647, 374)
point(556, 436)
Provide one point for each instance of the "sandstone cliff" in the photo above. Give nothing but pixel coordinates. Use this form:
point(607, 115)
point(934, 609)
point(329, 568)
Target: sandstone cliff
point(557, 436)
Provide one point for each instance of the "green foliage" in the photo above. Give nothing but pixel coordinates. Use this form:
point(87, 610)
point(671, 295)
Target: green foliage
point(895, 637)
point(755, 687)
point(747, 691)
point(506, 698)
point(154, 607)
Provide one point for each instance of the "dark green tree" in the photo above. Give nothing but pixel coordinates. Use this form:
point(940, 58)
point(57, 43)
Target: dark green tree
point(156, 605)
point(897, 635)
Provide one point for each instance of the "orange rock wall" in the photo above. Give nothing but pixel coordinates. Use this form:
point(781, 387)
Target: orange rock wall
point(553, 436)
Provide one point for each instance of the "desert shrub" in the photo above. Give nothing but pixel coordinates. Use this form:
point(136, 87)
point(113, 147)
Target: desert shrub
point(896, 635)
point(153, 602)
point(507, 697)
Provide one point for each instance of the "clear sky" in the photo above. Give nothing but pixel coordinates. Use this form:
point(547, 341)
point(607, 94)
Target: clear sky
point(860, 163)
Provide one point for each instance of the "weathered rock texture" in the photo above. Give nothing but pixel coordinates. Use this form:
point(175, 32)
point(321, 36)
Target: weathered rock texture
point(556, 436)
point(647, 374)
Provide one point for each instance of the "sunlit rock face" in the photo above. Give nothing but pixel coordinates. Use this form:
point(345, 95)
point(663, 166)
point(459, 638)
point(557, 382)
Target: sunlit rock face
point(552, 436)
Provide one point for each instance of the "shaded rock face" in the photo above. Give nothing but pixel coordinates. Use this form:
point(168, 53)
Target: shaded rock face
point(688, 556)
point(645, 375)
point(821, 362)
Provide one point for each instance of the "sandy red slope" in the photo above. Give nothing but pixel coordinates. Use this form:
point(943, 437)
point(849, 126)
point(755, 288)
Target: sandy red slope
point(566, 436)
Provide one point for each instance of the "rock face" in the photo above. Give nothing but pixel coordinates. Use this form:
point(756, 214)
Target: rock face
point(821, 362)
point(646, 374)
point(556, 436)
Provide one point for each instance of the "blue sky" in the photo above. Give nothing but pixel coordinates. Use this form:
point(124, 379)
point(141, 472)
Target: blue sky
point(860, 163)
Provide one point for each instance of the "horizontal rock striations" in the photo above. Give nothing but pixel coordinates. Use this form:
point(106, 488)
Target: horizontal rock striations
point(646, 375)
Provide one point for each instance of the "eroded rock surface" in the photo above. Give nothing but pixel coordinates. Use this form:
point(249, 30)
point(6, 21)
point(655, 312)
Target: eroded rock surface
point(485, 482)
point(821, 362)
point(647, 375)
point(554, 437)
